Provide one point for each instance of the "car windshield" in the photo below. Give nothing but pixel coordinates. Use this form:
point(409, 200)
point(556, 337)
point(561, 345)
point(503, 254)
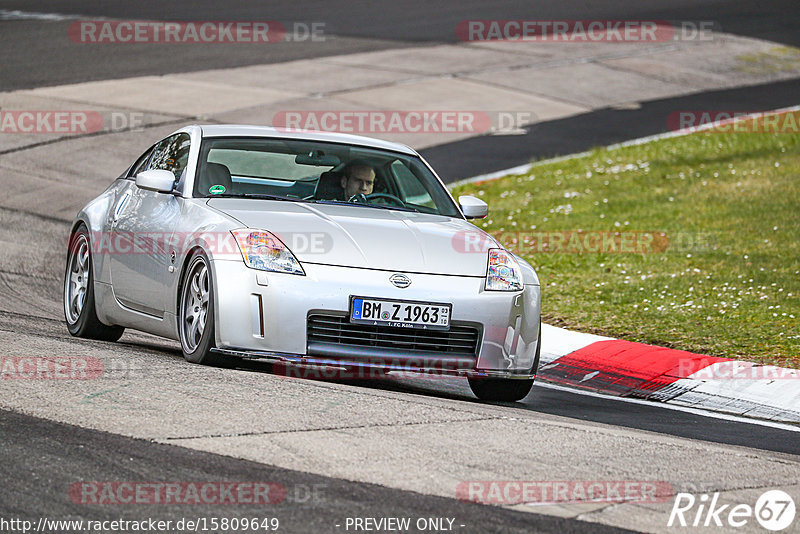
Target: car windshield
point(312, 171)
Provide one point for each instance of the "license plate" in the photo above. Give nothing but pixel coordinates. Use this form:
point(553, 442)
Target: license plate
point(400, 313)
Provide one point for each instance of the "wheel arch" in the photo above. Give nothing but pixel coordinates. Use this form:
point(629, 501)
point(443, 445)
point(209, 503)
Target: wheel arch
point(79, 221)
point(185, 265)
point(191, 251)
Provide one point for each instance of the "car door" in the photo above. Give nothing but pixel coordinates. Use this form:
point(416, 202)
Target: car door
point(142, 226)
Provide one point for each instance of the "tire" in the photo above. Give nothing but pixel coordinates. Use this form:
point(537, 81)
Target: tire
point(500, 389)
point(196, 314)
point(506, 389)
point(79, 302)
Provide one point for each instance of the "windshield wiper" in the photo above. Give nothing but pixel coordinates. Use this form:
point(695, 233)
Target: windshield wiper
point(259, 196)
point(362, 204)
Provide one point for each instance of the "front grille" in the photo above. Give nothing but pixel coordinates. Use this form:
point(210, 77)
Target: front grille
point(460, 340)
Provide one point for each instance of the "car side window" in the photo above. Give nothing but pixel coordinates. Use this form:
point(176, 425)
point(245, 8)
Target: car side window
point(141, 163)
point(411, 189)
point(172, 154)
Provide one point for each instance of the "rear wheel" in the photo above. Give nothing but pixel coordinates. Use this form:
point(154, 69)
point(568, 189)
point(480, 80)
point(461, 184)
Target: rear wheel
point(79, 302)
point(196, 314)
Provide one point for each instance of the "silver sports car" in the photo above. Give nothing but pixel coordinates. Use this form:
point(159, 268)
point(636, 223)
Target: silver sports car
point(316, 250)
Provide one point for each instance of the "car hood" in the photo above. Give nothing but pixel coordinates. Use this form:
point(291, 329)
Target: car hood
point(357, 236)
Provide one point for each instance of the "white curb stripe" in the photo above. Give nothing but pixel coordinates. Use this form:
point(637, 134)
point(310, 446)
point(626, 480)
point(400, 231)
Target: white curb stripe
point(558, 342)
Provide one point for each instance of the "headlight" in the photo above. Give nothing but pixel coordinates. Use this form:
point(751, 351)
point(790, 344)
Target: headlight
point(262, 250)
point(503, 273)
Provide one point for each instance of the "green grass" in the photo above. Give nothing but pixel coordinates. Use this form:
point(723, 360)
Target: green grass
point(723, 280)
point(771, 61)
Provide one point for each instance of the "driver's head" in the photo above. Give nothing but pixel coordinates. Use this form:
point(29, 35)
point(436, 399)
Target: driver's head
point(358, 178)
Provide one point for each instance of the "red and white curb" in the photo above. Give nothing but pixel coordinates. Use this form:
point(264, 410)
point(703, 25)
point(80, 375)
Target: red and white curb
point(629, 369)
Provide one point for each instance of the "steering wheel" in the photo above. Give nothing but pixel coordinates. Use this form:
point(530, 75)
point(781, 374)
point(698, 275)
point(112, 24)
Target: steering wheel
point(387, 196)
point(358, 198)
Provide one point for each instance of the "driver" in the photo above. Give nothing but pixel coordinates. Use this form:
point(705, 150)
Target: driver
point(358, 179)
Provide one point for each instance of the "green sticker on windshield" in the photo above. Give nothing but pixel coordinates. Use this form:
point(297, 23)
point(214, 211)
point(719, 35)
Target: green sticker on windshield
point(216, 189)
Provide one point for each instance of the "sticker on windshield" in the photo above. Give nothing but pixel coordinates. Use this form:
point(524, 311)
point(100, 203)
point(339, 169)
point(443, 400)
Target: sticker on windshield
point(216, 189)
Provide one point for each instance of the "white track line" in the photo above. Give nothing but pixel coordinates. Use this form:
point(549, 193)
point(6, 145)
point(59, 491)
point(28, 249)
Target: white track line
point(6, 14)
point(522, 169)
point(704, 413)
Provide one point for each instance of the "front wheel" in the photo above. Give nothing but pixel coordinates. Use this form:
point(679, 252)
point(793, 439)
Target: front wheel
point(196, 314)
point(79, 302)
point(507, 389)
point(500, 389)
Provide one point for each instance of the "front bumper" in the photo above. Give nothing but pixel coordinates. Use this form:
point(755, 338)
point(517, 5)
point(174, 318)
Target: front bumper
point(265, 315)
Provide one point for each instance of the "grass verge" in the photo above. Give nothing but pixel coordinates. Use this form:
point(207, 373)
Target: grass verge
point(689, 242)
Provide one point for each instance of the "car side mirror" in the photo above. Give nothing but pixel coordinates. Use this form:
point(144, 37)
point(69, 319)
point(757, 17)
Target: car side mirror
point(473, 207)
point(157, 180)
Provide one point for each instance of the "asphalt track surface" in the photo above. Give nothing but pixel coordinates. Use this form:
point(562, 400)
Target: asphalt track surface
point(50, 457)
point(485, 154)
point(40, 459)
point(43, 55)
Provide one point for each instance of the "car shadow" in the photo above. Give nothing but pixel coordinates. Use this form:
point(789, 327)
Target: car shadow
point(430, 385)
point(439, 386)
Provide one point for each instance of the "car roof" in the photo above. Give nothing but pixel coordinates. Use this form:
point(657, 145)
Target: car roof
point(244, 130)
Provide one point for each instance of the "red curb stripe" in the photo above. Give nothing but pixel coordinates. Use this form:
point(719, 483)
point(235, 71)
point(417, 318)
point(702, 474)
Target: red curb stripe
point(626, 368)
